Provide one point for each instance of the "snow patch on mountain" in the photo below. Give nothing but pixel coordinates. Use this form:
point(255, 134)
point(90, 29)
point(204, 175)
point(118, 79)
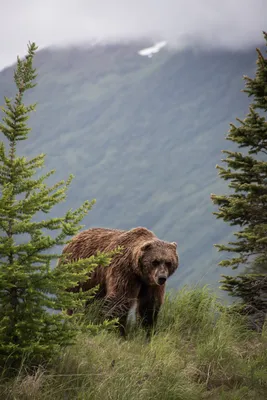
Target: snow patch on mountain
point(149, 51)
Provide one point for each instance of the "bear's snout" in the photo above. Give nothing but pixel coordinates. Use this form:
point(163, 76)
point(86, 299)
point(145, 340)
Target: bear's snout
point(162, 279)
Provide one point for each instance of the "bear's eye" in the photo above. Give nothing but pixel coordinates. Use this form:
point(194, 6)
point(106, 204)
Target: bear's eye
point(155, 263)
point(168, 264)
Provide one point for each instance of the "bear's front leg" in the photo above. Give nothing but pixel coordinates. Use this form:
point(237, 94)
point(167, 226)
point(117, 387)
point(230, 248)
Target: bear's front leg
point(149, 302)
point(119, 300)
point(118, 307)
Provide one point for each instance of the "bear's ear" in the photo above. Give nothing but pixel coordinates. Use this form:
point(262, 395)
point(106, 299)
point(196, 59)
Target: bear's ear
point(174, 244)
point(146, 246)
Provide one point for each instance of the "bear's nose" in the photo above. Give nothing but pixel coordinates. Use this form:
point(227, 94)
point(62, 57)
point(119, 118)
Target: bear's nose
point(161, 280)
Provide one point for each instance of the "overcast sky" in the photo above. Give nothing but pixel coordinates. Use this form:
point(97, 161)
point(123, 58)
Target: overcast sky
point(235, 24)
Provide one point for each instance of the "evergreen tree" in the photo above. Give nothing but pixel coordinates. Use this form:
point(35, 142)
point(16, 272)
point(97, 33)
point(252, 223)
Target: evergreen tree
point(29, 285)
point(246, 205)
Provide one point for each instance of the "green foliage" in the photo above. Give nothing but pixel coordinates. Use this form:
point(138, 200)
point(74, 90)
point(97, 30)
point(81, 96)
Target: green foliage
point(247, 173)
point(246, 205)
point(29, 286)
point(212, 356)
point(189, 312)
point(252, 289)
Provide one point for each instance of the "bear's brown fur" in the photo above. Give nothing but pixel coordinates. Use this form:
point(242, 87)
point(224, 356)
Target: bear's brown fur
point(136, 276)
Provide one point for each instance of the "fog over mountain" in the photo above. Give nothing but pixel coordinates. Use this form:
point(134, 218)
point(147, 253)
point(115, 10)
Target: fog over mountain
point(235, 25)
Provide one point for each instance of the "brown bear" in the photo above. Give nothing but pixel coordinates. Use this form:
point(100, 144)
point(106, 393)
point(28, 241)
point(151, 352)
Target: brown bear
point(135, 277)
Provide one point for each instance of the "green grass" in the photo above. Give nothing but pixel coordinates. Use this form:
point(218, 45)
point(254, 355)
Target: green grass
point(199, 352)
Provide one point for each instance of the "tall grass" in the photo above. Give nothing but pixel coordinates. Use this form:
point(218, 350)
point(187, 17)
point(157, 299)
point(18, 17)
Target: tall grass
point(199, 351)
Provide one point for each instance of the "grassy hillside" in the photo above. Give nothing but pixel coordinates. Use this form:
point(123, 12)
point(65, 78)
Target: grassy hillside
point(200, 352)
point(142, 136)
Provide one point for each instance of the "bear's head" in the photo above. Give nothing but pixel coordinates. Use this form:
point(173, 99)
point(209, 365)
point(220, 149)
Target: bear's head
point(157, 261)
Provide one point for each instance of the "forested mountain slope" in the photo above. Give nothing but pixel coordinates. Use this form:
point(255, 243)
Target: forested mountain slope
point(142, 136)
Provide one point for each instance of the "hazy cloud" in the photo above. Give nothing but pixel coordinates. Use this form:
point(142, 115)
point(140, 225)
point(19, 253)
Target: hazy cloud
point(234, 24)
